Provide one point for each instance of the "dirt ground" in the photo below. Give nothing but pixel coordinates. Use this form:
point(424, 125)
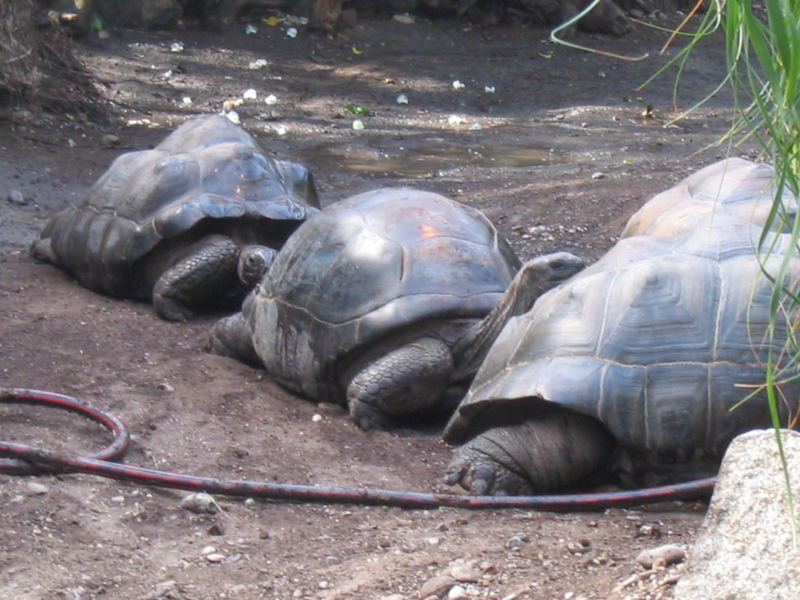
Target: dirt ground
point(555, 145)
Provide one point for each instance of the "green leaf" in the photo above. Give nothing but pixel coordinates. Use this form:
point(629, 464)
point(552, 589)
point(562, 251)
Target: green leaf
point(359, 110)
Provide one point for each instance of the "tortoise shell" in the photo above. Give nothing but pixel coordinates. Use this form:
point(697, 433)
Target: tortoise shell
point(208, 173)
point(367, 273)
point(663, 339)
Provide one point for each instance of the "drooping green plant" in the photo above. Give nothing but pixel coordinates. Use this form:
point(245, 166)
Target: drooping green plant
point(762, 41)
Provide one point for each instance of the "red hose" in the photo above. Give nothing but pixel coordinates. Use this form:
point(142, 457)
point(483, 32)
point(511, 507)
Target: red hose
point(24, 459)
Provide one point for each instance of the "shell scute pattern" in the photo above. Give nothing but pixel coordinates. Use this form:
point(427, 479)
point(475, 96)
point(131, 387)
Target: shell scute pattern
point(665, 337)
point(377, 266)
point(207, 172)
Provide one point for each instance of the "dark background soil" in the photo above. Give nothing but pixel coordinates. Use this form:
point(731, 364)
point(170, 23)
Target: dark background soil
point(559, 156)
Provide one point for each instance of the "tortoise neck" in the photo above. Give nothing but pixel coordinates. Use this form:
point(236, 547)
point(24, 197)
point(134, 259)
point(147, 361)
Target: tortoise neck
point(470, 350)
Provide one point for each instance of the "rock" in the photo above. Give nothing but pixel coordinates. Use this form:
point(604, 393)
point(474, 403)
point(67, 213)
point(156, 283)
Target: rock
point(464, 571)
point(579, 547)
point(109, 141)
point(436, 585)
point(200, 503)
point(215, 557)
point(668, 554)
point(17, 197)
point(34, 488)
point(745, 548)
point(515, 542)
point(457, 592)
point(164, 589)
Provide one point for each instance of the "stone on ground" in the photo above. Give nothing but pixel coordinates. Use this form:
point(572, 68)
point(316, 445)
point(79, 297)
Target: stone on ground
point(745, 550)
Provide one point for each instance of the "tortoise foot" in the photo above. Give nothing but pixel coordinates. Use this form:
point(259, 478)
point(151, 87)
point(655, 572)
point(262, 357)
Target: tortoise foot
point(170, 309)
point(368, 418)
point(480, 475)
point(553, 451)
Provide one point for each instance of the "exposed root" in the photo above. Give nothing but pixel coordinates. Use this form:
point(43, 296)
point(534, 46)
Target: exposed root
point(38, 67)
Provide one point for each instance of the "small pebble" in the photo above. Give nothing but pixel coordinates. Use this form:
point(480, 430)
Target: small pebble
point(200, 503)
point(457, 592)
point(215, 557)
point(233, 117)
point(436, 585)
point(515, 542)
point(465, 571)
point(668, 554)
point(579, 547)
point(16, 197)
point(36, 489)
point(109, 141)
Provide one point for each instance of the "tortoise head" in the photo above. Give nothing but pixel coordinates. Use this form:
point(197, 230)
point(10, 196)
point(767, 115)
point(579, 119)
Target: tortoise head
point(254, 262)
point(536, 277)
point(545, 272)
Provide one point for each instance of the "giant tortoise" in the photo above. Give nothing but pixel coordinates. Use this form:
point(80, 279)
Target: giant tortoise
point(647, 363)
point(380, 302)
point(182, 223)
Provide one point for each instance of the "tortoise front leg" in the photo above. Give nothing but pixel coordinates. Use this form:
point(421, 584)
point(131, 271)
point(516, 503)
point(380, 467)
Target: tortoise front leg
point(543, 454)
point(207, 273)
point(231, 336)
point(405, 382)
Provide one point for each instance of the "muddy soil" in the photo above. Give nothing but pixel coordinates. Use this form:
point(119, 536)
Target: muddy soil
point(557, 146)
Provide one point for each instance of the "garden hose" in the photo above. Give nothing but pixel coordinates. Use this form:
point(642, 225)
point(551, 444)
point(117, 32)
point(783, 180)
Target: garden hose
point(24, 459)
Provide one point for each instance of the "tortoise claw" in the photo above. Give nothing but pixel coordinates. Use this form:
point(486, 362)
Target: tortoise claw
point(482, 476)
point(368, 418)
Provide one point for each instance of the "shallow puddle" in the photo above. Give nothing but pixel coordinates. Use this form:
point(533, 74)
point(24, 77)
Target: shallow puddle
point(424, 160)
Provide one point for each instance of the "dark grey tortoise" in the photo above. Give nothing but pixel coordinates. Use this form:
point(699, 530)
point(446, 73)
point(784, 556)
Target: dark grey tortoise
point(641, 365)
point(386, 302)
point(192, 223)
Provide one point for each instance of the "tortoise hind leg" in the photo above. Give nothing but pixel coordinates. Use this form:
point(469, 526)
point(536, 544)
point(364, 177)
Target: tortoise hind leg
point(546, 453)
point(206, 274)
point(408, 381)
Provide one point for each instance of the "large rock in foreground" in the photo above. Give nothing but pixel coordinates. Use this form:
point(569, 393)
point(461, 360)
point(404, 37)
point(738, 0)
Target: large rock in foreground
point(745, 550)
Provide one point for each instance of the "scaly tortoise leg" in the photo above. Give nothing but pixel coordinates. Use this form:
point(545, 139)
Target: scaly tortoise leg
point(207, 273)
point(540, 455)
point(407, 381)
